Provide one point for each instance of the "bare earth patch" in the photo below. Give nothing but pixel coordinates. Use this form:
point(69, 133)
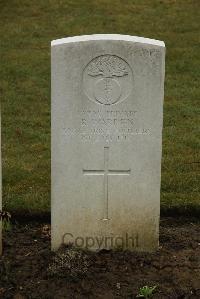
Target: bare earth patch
point(174, 268)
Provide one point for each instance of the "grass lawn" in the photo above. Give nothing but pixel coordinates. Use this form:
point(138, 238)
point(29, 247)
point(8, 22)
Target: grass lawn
point(26, 29)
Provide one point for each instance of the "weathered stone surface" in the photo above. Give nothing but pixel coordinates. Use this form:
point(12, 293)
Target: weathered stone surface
point(107, 110)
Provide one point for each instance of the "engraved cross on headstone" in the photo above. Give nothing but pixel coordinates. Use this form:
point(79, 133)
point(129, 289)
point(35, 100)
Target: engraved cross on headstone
point(106, 172)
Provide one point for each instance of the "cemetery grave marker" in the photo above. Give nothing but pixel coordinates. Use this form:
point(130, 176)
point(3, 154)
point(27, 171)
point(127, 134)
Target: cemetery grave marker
point(107, 111)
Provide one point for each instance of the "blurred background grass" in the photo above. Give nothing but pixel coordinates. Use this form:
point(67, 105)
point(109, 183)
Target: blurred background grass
point(26, 29)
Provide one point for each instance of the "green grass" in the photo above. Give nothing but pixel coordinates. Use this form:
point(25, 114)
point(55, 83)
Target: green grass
point(26, 29)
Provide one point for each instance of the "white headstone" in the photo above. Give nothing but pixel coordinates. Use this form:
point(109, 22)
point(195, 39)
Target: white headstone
point(107, 111)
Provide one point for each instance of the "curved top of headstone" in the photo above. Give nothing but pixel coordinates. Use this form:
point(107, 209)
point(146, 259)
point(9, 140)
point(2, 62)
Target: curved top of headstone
point(97, 37)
